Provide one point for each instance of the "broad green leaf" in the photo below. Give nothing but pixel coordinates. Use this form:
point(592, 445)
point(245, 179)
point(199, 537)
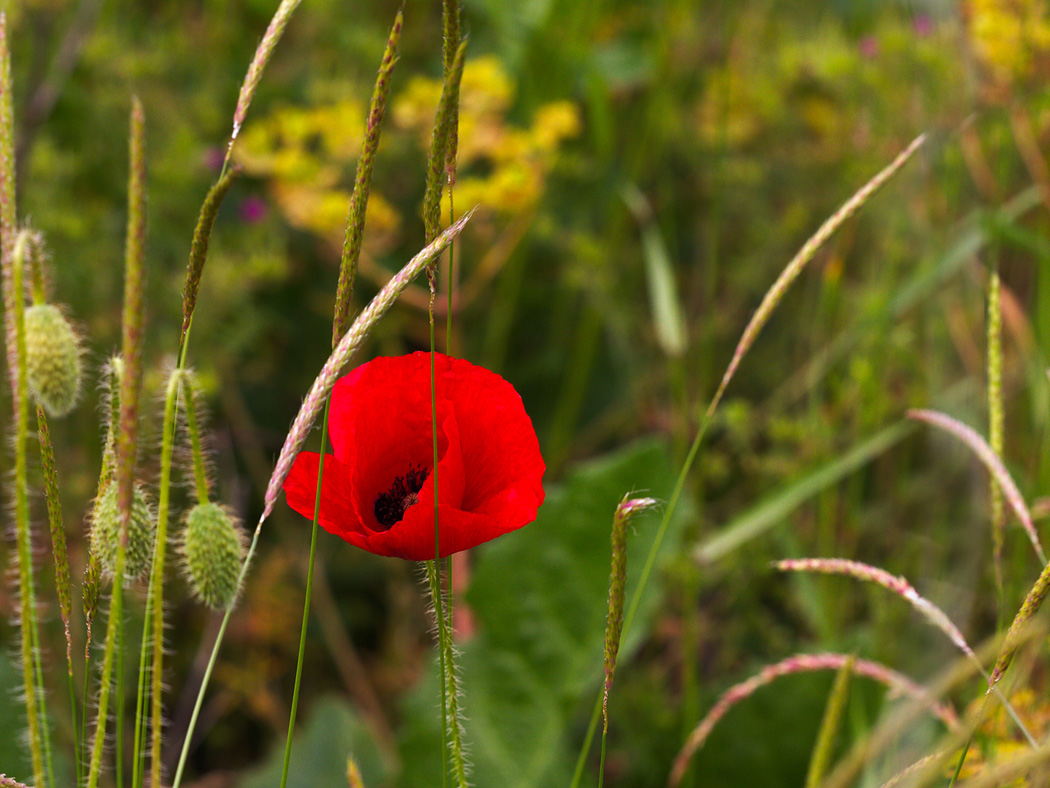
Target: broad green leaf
point(331, 732)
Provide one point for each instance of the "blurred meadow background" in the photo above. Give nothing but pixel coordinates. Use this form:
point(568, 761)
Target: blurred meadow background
point(645, 169)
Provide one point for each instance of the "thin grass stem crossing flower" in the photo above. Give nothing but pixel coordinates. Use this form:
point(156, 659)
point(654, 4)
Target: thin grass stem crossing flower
point(378, 485)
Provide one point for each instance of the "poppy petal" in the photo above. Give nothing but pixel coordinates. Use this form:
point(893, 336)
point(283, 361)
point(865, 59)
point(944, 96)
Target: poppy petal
point(300, 488)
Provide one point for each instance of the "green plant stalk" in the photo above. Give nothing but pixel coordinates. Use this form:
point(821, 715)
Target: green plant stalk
point(35, 712)
point(118, 755)
point(157, 575)
point(58, 533)
point(13, 255)
point(138, 759)
point(306, 600)
point(995, 422)
point(116, 612)
point(432, 566)
point(200, 475)
point(829, 726)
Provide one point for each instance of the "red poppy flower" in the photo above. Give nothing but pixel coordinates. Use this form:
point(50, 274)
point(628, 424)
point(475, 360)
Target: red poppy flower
point(378, 490)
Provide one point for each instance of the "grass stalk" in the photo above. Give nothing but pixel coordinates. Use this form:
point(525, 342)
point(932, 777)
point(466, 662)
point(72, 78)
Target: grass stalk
point(157, 576)
point(995, 420)
point(116, 613)
point(306, 600)
point(130, 387)
point(830, 724)
point(12, 256)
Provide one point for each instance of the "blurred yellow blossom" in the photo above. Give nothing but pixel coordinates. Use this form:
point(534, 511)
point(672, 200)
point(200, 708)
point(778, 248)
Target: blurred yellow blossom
point(307, 156)
point(999, 738)
point(1010, 37)
point(514, 161)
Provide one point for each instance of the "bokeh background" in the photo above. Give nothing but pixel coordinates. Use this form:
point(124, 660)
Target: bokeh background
point(644, 170)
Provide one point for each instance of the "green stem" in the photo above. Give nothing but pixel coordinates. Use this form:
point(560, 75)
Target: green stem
point(432, 566)
point(306, 601)
point(79, 766)
point(140, 692)
point(119, 748)
point(35, 710)
point(157, 575)
point(116, 612)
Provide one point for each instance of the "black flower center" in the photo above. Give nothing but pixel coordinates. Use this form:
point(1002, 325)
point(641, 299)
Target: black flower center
point(391, 505)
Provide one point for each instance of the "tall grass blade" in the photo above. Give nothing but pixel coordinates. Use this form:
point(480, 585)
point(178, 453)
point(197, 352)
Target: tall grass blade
point(664, 301)
point(439, 146)
point(1032, 602)
point(346, 348)
point(451, 41)
point(58, 531)
point(157, 575)
point(830, 724)
point(995, 417)
point(130, 388)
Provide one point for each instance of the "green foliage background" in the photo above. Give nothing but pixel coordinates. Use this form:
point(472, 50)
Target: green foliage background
point(713, 139)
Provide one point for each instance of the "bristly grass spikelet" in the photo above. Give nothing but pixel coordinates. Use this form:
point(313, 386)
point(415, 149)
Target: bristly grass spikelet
point(1032, 602)
point(896, 584)
point(627, 508)
point(127, 439)
point(199, 251)
point(802, 258)
point(255, 69)
point(141, 534)
point(355, 220)
point(439, 146)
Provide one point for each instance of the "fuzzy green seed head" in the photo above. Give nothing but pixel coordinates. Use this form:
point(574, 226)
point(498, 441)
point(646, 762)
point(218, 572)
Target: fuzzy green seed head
point(105, 533)
point(212, 548)
point(52, 359)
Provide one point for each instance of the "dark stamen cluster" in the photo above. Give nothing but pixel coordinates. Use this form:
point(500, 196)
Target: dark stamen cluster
point(391, 505)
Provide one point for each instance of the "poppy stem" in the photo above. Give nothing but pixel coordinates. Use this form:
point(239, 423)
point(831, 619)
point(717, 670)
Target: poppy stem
point(306, 601)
